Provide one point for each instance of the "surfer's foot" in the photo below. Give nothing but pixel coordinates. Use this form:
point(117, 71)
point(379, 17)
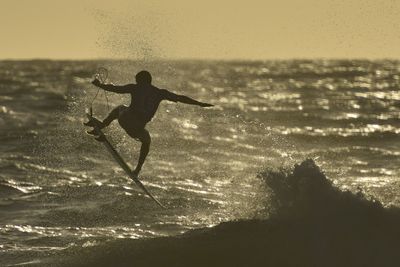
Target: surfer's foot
point(89, 123)
point(136, 173)
point(94, 123)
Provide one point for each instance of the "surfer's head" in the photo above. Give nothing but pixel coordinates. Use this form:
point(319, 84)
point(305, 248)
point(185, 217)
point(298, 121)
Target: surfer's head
point(143, 77)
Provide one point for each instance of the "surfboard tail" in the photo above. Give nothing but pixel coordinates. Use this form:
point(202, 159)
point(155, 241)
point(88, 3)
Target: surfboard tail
point(139, 183)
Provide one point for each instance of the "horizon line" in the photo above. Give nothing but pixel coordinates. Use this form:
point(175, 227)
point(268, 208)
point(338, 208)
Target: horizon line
point(197, 59)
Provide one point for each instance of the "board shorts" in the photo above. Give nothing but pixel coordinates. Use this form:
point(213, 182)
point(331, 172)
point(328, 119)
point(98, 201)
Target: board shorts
point(131, 122)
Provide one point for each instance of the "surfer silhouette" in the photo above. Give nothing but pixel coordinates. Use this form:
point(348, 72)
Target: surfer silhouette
point(145, 99)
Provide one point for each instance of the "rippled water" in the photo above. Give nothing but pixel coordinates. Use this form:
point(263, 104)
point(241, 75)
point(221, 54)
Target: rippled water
point(61, 189)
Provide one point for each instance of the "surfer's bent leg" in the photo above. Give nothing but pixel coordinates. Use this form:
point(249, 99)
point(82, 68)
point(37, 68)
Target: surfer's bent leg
point(145, 138)
point(95, 123)
point(114, 114)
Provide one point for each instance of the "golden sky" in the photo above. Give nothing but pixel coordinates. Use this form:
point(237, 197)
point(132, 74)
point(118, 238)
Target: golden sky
point(214, 29)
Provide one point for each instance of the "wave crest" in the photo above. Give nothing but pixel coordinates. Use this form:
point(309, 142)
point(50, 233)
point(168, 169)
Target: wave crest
point(305, 192)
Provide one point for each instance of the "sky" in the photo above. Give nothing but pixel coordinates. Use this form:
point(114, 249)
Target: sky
point(207, 29)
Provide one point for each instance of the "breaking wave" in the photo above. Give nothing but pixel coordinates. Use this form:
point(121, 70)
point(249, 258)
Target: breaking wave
point(309, 222)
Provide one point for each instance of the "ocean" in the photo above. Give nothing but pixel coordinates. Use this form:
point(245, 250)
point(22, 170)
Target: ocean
point(60, 190)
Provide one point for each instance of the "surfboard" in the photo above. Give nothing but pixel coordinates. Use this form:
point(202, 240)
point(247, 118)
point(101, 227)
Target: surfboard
point(121, 162)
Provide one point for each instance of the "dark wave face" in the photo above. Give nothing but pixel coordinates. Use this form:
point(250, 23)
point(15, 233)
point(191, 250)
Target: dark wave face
point(310, 223)
point(59, 189)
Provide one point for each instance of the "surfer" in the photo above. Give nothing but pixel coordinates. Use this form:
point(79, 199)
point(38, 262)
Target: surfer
point(145, 99)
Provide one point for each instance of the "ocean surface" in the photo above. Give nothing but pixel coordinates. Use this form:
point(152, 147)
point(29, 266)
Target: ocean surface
point(61, 190)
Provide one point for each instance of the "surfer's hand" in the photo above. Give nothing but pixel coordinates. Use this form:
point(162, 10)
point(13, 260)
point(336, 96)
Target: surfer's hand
point(96, 82)
point(205, 105)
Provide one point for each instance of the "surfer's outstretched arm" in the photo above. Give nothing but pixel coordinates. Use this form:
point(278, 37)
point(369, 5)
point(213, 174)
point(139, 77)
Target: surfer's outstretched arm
point(184, 99)
point(119, 89)
point(191, 101)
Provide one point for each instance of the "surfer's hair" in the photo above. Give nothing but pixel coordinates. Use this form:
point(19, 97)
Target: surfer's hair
point(143, 77)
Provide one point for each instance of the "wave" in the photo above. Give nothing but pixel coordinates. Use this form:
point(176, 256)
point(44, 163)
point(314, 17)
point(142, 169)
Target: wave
point(309, 223)
point(10, 188)
point(7, 190)
point(342, 74)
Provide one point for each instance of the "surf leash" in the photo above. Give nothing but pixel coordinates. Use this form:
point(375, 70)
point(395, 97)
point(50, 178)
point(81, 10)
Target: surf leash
point(102, 75)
